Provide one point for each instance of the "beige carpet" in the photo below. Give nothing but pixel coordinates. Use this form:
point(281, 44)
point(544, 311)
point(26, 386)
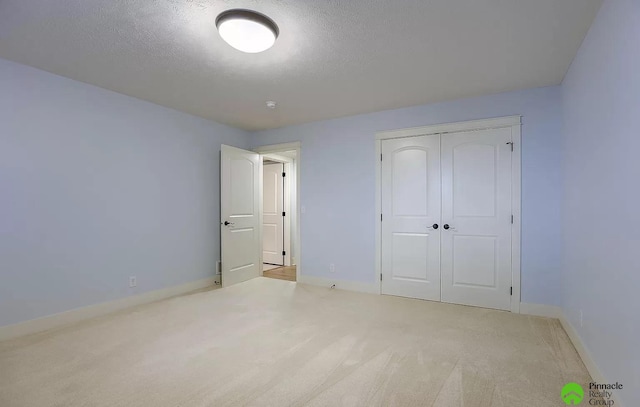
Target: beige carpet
point(274, 343)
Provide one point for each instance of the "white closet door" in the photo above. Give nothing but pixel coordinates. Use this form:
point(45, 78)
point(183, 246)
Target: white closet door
point(272, 219)
point(410, 209)
point(476, 209)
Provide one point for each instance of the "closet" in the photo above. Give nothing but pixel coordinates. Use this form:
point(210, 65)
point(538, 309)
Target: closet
point(446, 217)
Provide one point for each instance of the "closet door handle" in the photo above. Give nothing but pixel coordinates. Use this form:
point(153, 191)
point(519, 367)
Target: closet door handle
point(433, 227)
point(447, 227)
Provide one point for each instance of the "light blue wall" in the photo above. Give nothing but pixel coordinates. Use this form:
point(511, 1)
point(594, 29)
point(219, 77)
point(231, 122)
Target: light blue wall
point(338, 184)
point(601, 98)
point(96, 186)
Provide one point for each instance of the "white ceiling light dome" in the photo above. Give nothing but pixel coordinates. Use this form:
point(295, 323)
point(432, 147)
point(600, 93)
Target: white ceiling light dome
point(246, 30)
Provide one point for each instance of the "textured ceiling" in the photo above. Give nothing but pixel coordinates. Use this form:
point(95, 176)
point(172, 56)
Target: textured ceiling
point(333, 58)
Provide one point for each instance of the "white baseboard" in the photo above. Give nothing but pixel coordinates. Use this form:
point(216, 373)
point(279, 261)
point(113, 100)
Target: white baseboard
point(541, 310)
point(340, 284)
point(92, 311)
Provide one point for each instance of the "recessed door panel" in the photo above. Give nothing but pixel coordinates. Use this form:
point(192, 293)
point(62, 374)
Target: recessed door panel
point(243, 237)
point(241, 186)
point(270, 237)
point(474, 180)
point(474, 261)
point(410, 256)
point(271, 178)
point(410, 169)
point(476, 209)
point(410, 208)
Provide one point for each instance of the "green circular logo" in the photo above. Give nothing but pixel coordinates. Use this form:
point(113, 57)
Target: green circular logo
point(572, 394)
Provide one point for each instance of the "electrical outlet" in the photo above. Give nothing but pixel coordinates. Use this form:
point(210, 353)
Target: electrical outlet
point(133, 281)
point(580, 318)
point(332, 268)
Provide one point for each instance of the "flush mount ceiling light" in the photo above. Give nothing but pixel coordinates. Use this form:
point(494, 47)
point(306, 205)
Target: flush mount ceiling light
point(246, 30)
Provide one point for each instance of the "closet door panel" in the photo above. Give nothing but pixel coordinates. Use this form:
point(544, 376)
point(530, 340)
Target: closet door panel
point(410, 208)
point(476, 217)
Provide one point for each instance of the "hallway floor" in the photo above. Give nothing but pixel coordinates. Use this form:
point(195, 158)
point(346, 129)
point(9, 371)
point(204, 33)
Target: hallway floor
point(281, 273)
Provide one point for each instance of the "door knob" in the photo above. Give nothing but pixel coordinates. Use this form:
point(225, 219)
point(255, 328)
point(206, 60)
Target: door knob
point(434, 226)
point(446, 226)
point(227, 223)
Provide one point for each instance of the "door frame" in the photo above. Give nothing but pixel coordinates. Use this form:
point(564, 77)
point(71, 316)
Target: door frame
point(295, 166)
point(515, 123)
point(286, 202)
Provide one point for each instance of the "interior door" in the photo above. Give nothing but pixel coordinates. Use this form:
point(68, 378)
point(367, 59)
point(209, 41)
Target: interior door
point(272, 210)
point(240, 172)
point(410, 217)
point(476, 217)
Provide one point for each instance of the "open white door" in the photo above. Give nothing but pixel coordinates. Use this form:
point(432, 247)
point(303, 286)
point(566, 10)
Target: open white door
point(240, 173)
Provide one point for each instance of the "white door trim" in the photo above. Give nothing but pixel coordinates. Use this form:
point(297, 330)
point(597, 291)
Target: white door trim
point(482, 124)
point(288, 163)
point(288, 210)
point(279, 148)
point(514, 122)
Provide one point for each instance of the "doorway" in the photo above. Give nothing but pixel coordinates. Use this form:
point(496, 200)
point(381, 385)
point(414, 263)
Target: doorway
point(449, 200)
point(278, 216)
point(243, 220)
